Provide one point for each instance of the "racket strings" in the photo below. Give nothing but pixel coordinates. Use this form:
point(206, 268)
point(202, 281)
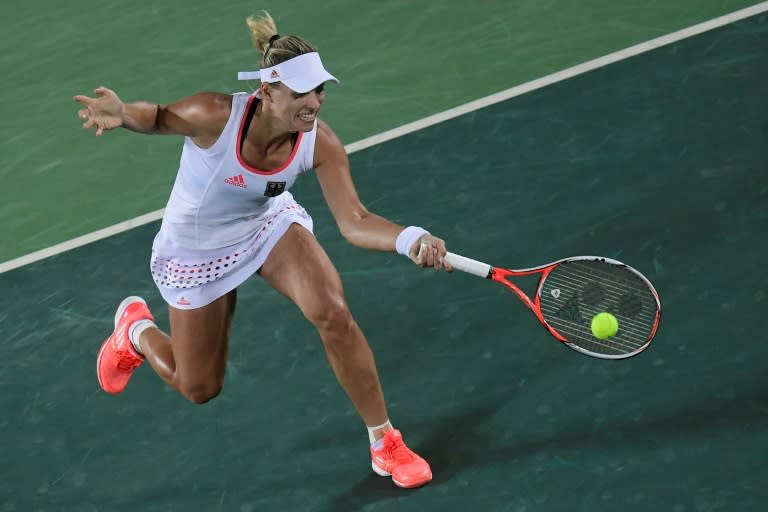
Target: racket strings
point(574, 292)
point(621, 294)
point(614, 298)
point(634, 331)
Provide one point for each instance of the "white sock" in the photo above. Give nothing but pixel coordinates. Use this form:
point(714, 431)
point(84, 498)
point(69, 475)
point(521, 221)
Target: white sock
point(371, 430)
point(135, 330)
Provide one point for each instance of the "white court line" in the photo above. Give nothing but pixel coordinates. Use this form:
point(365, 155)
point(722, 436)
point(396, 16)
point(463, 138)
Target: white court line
point(527, 87)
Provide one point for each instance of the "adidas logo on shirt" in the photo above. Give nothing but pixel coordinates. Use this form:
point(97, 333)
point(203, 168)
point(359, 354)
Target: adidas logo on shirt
point(237, 181)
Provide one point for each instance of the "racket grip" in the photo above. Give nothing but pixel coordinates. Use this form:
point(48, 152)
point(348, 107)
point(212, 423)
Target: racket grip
point(468, 265)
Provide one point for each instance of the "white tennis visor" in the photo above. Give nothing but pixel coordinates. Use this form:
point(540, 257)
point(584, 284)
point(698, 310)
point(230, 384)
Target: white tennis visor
point(301, 74)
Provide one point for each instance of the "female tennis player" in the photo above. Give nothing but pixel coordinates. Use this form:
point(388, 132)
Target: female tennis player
point(230, 215)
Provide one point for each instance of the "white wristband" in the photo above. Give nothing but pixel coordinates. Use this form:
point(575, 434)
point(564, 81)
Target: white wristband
point(407, 238)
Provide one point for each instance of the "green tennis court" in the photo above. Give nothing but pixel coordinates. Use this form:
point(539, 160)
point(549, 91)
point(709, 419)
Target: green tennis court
point(658, 159)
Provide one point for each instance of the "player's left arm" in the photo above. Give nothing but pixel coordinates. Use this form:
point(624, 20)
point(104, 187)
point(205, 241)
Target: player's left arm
point(359, 226)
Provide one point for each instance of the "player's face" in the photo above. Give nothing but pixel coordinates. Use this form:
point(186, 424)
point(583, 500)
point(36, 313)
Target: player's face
point(298, 110)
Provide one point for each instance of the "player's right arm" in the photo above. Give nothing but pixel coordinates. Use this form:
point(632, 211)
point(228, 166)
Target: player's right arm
point(201, 116)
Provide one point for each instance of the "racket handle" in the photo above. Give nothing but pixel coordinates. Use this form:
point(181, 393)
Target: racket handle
point(468, 265)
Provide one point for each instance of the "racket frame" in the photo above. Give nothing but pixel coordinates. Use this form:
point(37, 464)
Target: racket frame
point(500, 275)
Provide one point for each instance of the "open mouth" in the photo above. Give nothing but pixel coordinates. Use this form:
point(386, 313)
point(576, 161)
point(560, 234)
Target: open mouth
point(308, 117)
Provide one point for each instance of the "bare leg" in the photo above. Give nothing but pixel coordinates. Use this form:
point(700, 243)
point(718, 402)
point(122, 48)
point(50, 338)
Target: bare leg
point(301, 270)
point(193, 358)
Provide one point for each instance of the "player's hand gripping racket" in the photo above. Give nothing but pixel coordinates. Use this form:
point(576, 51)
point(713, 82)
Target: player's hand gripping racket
point(569, 294)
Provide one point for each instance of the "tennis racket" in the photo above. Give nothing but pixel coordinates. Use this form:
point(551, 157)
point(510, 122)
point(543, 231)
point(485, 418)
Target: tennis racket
point(571, 291)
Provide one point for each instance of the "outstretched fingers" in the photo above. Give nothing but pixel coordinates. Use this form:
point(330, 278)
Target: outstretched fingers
point(99, 111)
point(85, 100)
point(102, 91)
point(84, 113)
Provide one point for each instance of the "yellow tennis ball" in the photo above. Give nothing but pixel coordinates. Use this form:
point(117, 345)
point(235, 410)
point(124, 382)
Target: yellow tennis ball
point(604, 325)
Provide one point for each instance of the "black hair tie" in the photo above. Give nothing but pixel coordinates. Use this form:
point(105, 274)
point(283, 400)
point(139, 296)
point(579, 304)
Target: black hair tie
point(269, 44)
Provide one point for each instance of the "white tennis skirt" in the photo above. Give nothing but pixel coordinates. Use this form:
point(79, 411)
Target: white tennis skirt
point(192, 278)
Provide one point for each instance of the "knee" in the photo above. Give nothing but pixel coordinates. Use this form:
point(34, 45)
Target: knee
point(200, 391)
point(331, 315)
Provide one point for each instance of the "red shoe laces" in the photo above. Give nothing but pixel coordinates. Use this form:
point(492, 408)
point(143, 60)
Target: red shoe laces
point(126, 361)
point(397, 451)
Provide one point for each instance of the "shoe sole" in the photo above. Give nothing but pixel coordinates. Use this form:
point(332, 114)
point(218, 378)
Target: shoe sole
point(120, 310)
point(376, 469)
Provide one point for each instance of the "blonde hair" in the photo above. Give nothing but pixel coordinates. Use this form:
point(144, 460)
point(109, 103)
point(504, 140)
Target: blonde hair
point(275, 50)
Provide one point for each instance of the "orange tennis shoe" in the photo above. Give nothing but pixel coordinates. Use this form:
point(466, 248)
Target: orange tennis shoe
point(397, 460)
point(117, 358)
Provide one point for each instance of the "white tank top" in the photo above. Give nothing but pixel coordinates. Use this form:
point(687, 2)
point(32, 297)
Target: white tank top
point(218, 199)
